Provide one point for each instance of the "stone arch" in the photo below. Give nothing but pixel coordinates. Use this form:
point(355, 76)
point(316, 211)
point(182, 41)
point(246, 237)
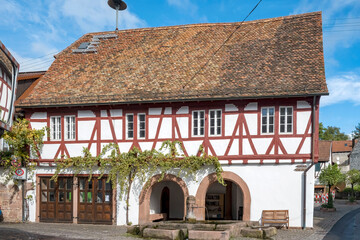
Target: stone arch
point(144, 200)
point(210, 179)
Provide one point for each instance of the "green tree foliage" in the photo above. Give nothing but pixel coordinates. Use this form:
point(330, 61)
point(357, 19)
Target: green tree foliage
point(331, 133)
point(356, 132)
point(331, 176)
point(353, 178)
point(22, 140)
point(123, 168)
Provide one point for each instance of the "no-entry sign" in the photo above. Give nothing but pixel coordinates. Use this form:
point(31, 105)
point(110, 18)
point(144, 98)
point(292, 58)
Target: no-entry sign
point(20, 174)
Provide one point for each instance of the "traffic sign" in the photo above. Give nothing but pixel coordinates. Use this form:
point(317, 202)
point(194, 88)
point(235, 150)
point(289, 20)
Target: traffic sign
point(20, 174)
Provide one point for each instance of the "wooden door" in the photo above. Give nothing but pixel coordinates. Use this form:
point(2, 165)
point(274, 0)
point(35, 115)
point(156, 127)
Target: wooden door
point(95, 201)
point(56, 199)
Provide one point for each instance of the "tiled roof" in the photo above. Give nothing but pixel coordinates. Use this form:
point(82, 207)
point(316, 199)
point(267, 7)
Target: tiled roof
point(324, 151)
point(264, 58)
point(342, 146)
point(26, 83)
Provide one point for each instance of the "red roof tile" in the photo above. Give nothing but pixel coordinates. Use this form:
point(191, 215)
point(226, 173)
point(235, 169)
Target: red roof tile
point(265, 58)
point(324, 151)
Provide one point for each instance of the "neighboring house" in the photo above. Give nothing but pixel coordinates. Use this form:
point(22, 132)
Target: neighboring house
point(9, 69)
point(249, 93)
point(26, 82)
point(340, 154)
point(325, 148)
point(10, 196)
point(355, 156)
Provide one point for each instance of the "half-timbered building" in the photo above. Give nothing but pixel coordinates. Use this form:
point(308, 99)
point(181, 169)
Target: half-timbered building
point(249, 93)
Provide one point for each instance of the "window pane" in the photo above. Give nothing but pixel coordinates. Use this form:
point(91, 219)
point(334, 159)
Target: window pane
point(43, 183)
point(289, 111)
point(68, 197)
point(195, 115)
point(82, 197)
point(61, 196)
point(99, 184)
point(82, 184)
point(282, 120)
point(271, 111)
point(218, 113)
point(212, 122)
point(44, 196)
point(89, 197)
point(218, 132)
point(289, 119)
point(263, 129)
point(142, 117)
point(68, 183)
point(130, 118)
point(108, 186)
point(264, 111)
point(52, 184)
point(218, 122)
point(61, 183)
point(51, 196)
point(212, 131)
point(90, 184)
point(289, 128)
point(201, 131)
point(195, 132)
point(282, 111)
point(107, 197)
point(271, 128)
point(142, 134)
point(130, 134)
point(271, 120)
point(202, 122)
point(264, 120)
point(99, 197)
point(212, 114)
point(202, 114)
point(282, 128)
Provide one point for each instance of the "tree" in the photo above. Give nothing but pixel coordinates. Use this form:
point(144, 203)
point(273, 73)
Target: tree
point(331, 133)
point(331, 176)
point(22, 140)
point(356, 132)
point(352, 178)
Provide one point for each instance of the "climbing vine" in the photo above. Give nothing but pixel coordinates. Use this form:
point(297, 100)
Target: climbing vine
point(122, 168)
point(22, 141)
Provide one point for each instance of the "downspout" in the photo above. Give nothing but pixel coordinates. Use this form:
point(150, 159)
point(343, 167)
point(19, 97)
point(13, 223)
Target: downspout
point(312, 159)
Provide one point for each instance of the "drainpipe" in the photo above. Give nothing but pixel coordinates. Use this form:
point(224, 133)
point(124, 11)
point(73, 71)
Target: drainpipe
point(312, 159)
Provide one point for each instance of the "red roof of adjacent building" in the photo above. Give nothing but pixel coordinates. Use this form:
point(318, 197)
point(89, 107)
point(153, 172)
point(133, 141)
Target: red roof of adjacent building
point(342, 146)
point(324, 150)
point(276, 57)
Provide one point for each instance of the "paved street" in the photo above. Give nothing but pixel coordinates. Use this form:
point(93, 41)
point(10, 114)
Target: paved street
point(323, 222)
point(347, 228)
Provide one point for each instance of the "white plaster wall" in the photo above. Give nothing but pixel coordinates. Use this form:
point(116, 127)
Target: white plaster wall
point(290, 144)
point(302, 121)
point(261, 144)
point(231, 108)
point(220, 146)
point(165, 130)
point(183, 123)
point(85, 129)
point(76, 149)
point(106, 130)
point(85, 114)
point(39, 125)
point(253, 106)
point(251, 120)
point(48, 151)
point(230, 121)
point(117, 123)
point(153, 125)
point(39, 115)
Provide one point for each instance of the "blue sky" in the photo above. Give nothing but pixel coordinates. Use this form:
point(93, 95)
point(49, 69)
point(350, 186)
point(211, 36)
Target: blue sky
point(36, 30)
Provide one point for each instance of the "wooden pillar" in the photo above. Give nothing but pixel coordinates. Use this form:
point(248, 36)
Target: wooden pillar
point(228, 201)
point(75, 199)
point(38, 199)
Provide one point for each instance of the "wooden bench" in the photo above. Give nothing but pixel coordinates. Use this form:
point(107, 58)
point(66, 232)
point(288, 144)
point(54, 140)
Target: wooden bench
point(275, 216)
point(157, 216)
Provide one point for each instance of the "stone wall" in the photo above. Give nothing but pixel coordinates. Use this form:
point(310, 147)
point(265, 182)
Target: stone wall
point(355, 157)
point(11, 202)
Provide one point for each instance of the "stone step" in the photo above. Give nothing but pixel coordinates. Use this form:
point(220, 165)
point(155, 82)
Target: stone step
point(163, 234)
point(208, 235)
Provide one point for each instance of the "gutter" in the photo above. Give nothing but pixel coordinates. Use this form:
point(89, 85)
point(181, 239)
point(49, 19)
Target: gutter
point(312, 159)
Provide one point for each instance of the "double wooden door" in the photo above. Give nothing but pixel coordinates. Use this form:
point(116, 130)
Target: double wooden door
point(95, 201)
point(56, 199)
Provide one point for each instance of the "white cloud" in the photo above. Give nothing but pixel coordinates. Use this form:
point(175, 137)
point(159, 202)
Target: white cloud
point(97, 15)
point(184, 5)
point(343, 88)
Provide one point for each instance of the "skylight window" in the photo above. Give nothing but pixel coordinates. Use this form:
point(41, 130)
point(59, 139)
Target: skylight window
point(84, 45)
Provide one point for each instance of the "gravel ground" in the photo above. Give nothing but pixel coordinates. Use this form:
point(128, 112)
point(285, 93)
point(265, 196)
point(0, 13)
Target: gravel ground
point(323, 222)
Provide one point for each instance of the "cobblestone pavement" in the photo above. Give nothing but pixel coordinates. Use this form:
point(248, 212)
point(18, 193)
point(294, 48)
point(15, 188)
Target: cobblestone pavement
point(323, 222)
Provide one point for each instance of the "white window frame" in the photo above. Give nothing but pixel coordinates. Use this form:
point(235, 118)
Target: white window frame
point(138, 125)
point(215, 122)
point(127, 127)
point(286, 120)
point(198, 124)
point(57, 130)
point(267, 121)
point(72, 127)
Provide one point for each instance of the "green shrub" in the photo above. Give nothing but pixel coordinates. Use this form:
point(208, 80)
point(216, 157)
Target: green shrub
point(352, 199)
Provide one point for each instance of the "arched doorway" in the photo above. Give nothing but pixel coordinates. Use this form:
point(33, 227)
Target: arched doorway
point(154, 195)
point(237, 192)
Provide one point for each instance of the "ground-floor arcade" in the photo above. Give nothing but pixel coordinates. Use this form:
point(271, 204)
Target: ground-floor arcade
point(248, 190)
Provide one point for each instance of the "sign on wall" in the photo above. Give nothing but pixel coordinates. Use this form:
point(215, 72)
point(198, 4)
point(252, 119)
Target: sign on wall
point(20, 174)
